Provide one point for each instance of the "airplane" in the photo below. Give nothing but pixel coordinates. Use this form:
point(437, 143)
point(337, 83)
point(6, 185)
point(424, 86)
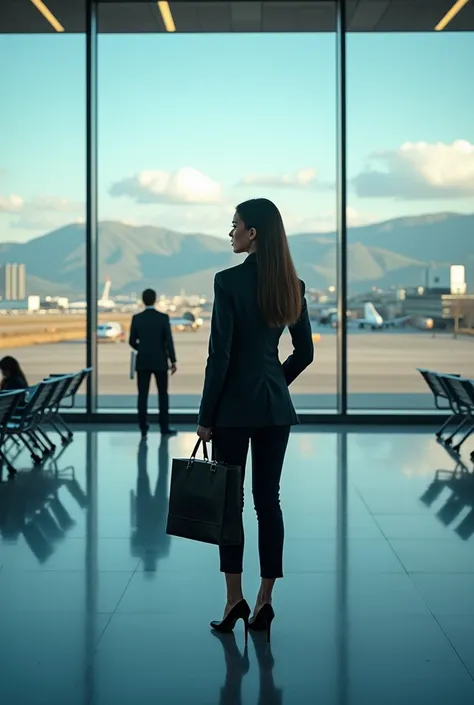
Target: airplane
point(372, 319)
point(104, 303)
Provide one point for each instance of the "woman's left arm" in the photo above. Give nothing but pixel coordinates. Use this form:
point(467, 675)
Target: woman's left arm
point(220, 345)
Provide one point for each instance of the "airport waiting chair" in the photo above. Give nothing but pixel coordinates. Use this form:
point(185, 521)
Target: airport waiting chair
point(37, 436)
point(24, 424)
point(442, 398)
point(9, 402)
point(68, 402)
point(458, 417)
point(461, 391)
point(50, 411)
point(439, 393)
point(51, 415)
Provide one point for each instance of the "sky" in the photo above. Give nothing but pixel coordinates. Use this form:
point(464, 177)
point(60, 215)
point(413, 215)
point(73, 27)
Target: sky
point(190, 125)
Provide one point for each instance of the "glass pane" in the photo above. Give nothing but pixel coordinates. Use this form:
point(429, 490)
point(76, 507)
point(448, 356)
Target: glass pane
point(411, 205)
point(42, 191)
point(238, 103)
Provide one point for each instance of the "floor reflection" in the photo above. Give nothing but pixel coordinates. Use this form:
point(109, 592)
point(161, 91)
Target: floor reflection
point(30, 507)
point(452, 491)
point(376, 604)
point(342, 622)
point(269, 694)
point(237, 665)
point(149, 510)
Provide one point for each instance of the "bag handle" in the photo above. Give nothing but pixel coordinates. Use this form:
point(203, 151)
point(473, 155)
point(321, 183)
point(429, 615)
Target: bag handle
point(196, 448)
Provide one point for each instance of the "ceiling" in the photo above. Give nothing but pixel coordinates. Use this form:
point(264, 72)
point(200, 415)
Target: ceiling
point(136, 16)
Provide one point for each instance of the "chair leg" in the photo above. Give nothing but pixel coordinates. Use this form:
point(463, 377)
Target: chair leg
point(57, 422)
point(466, 435)
point(50, 446)
point(449, 439)
point(44, 448)
point(3, 459)
point(37, 442)
point(449, 420)
point(34, 456)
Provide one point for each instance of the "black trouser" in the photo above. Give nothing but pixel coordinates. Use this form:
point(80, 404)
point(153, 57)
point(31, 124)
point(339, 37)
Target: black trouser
point(143, 384)
point(268, 453)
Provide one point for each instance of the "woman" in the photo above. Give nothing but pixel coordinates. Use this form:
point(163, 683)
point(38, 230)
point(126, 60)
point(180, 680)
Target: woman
point(12, 375)
point(245, 398)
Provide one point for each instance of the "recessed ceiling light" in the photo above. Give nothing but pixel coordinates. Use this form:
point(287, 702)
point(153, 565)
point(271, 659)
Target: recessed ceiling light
point(48, 15)
point(168, 20)
point(450, 14)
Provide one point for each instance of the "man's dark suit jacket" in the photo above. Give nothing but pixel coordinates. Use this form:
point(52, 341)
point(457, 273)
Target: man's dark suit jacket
point(245, 383)
point(150, 336)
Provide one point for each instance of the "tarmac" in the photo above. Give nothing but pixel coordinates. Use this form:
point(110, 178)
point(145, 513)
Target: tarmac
point(382, 370)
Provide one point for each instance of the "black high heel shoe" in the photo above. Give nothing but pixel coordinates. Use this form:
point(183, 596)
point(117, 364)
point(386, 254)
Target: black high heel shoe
point(240, 611)
point(263, 620)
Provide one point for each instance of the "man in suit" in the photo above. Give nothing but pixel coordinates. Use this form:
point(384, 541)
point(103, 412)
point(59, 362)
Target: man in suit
point(150, 336)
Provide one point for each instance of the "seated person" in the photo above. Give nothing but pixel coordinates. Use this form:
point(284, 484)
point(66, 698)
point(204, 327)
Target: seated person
point(12, 375)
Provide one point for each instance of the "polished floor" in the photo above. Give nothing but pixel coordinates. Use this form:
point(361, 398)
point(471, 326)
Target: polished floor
point(99, 606)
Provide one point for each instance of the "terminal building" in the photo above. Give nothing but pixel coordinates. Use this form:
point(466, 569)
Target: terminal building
point(444, 298)
point(13, 282)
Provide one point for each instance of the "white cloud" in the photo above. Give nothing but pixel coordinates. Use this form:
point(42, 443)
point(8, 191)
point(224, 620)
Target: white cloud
point(419, 170)
point(11, 204)
point(187, 185)
point(302, 179)
point(40, 213)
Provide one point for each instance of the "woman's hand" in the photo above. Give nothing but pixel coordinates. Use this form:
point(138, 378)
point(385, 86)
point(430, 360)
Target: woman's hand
point(204, 433)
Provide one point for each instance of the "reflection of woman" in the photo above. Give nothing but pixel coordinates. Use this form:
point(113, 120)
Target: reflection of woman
point(269, 694)
point(246, 399)
point(237, 666)
point(12, 375)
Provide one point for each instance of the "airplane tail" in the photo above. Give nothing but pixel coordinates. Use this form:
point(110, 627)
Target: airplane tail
point(369, 310)
point(371, 314)
point(106, 293)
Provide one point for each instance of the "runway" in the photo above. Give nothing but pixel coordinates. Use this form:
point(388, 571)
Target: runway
point(381, 365)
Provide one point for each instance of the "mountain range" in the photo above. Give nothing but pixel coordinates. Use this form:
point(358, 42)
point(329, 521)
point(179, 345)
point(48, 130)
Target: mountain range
point(391, 253)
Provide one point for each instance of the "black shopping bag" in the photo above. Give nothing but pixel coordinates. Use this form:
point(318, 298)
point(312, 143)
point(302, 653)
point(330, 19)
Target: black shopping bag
point(205, 500)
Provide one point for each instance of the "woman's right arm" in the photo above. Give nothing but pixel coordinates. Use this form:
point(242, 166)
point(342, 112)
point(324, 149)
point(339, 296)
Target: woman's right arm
point(303, 348)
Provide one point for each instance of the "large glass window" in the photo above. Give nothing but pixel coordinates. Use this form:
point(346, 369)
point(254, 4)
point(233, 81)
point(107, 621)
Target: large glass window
point(42, 196)
point(189, 126)
point(238, 102)
point(411, 202)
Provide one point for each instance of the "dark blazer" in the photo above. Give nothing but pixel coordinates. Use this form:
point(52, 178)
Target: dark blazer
point(245, 383)
point(10, 384)
point(150, 336)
